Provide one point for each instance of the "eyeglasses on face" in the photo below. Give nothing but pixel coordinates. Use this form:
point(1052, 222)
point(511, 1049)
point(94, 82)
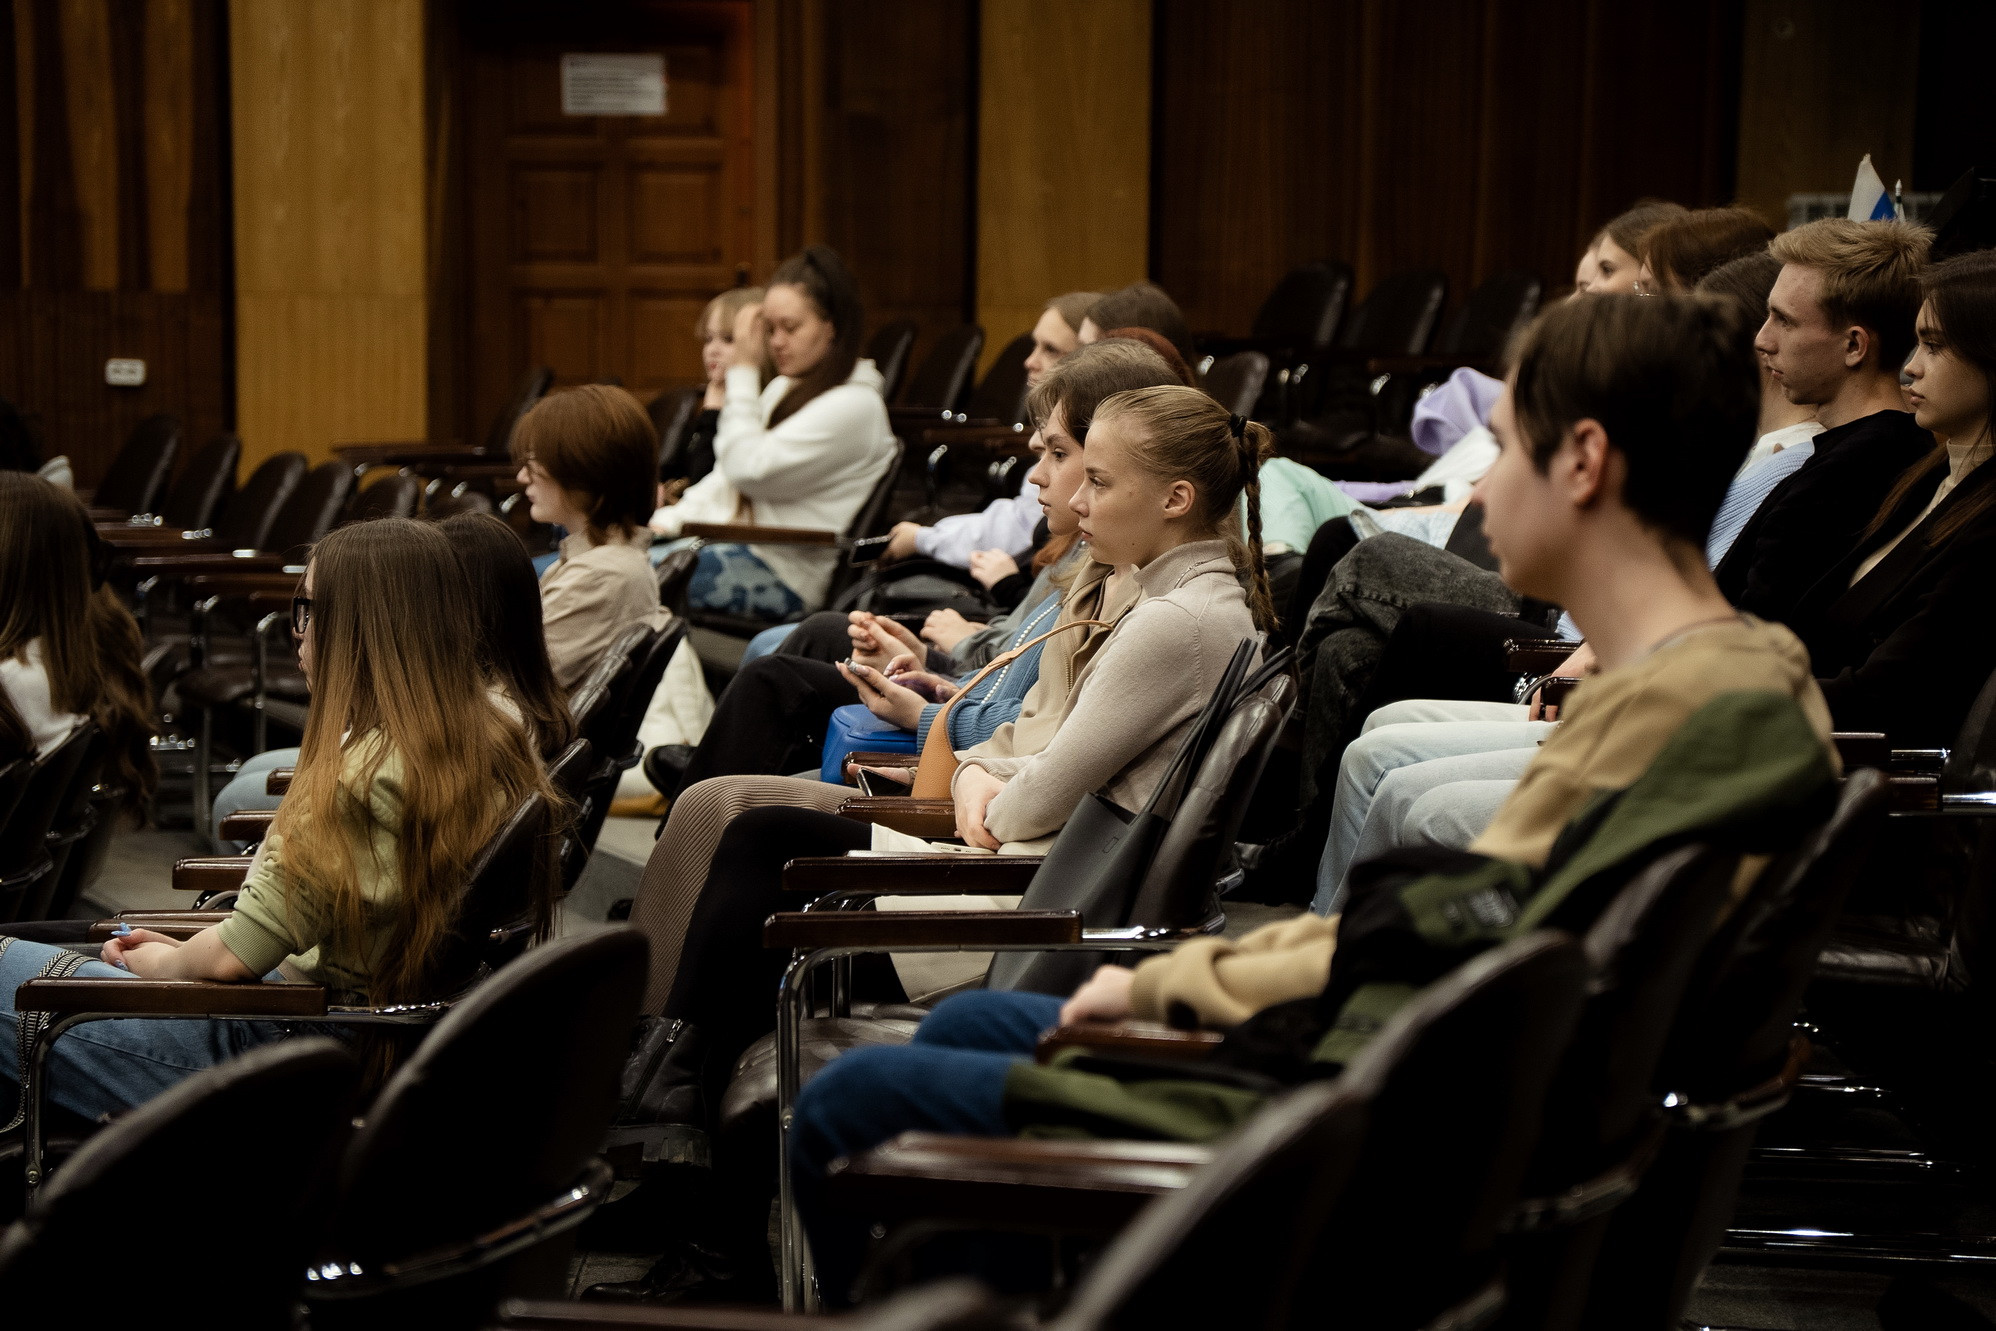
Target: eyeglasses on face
point(301, 614)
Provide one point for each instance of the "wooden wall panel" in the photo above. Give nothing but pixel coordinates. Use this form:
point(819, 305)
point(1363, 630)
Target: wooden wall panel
point(332, 287)
point(1064, 152)
point(895, 156)
point(1825, 82)
point(1467, 135)
point(113, 225)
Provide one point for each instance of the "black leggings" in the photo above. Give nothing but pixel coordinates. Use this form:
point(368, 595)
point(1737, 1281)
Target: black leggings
point(726, 983)
point(770, 720)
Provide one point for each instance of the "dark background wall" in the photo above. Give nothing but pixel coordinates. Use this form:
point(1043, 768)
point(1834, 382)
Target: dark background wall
point(1467, 135)
point(114, 218)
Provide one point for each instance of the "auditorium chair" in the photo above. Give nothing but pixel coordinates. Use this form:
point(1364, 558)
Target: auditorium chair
point(35, 794)
point(937, 387)
point(672, 414)
point(474, 1167)
point(1297, 322)
point(422, 455)
point(1475, 337)
point(206, 481)
point(888, 349)
point(1600, 1125)
point(75, 821)
point(136, 479)
point(394, 496)
point(612, 730)
point(1734, 1057)
point(1885, 1141)
point(1235, 381)
point(1177, 897)
point(492, 927)
point(720, 638)
point(246, 519)
point(1453, 1086)
point(80, 855)
point(235, 1237)
point(945, 1305)
point(1331, 396)
point(991, 427)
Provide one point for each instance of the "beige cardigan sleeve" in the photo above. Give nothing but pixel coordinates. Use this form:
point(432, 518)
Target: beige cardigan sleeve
point(1221, 982)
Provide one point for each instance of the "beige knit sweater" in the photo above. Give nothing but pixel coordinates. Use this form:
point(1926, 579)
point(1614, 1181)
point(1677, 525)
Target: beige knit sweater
point(1118, 726)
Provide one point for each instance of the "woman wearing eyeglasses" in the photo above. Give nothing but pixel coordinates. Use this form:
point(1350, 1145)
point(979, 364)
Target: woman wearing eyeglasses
point(410, 761)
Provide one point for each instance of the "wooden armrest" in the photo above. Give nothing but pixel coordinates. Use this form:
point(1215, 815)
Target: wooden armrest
point(1420, 364)
point(992, 435)
point(888, 929)
point(190, 563)
point(1537, 656)
point(172, 997)
point(548, 1315)
point(279, 780)
point(869, 758)
point(891, 875)
point(1862, 748)
point(211, 873)
point(1072, 1186)
point(918, 418)
point(1127, 1037)
point(182, 925)
point(501, 470)
point(247, 825)
point(156, 539)
point(903, 813)
point(1914, 794)
point(246, 582)
point(391, 452)
point(747, 533)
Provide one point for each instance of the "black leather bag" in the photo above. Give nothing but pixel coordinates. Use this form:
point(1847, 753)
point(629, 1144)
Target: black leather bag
point(1103, 852)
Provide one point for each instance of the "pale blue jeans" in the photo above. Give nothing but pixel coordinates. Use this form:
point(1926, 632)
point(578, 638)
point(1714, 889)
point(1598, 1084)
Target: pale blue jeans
point(107, 1067)
point(1408, 752)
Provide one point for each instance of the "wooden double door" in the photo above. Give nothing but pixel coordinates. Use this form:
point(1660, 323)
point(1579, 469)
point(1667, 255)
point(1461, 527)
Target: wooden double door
point(596, 240)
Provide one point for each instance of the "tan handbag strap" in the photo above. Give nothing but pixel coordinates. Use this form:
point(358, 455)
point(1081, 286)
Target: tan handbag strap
point(937, 768)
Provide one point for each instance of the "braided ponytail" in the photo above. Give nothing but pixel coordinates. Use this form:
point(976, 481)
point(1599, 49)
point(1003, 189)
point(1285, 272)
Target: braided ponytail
point(1183, 432)
point(1252, 447)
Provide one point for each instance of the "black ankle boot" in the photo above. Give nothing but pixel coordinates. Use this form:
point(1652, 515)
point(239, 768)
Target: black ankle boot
point(662, 1102)
point(665, 765)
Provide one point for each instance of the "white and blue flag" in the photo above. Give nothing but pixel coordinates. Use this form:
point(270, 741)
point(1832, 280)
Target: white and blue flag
point(1868, 200)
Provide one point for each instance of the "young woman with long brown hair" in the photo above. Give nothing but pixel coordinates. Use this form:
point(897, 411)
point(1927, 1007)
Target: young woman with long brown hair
point(69, 650)
point(409, 764)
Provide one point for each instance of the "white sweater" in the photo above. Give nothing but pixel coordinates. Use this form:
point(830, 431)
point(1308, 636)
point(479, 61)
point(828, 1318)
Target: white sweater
point(26, 683)
point(816, 469)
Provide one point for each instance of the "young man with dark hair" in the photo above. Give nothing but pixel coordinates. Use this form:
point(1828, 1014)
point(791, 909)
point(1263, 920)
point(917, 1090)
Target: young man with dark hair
point(1839, 326)
point(1619, 428)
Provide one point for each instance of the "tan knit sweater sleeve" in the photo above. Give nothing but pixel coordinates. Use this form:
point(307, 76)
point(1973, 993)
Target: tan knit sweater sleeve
point(1222, 982)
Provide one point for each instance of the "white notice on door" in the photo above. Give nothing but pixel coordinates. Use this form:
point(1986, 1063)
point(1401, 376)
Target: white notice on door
point(613, 85)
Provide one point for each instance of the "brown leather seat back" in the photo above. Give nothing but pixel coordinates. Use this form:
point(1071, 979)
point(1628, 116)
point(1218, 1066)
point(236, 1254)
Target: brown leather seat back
point(1731, 1033)
point(251, 511)
point(203, 484)
point(137, 477)
point(499, 1110)
point(285, 1108)
point(1181, 889)
point(1236, 381)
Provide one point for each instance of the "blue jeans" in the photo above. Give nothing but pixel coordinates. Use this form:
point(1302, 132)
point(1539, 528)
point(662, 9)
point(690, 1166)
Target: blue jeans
point(731, 579)
point(767, 641)
point(246, 791)
point(950, 1079)
point(107, 1067)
